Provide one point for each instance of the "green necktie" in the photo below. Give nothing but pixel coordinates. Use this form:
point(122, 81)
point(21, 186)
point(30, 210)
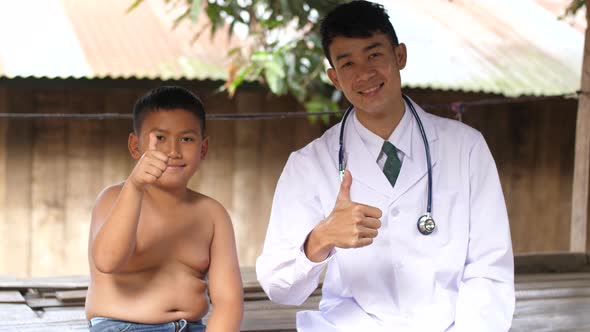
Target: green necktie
point(392, 164)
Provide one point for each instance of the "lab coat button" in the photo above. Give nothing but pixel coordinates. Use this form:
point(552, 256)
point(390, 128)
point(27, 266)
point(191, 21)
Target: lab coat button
point(394, 212)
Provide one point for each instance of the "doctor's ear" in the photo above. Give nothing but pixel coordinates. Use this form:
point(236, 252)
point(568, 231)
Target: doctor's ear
point(401, 55)
point(334, 78)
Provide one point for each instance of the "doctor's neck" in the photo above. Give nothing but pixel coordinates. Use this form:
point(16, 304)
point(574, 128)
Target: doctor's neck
point(382, 122)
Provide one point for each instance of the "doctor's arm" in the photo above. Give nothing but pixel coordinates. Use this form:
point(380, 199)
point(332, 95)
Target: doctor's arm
point(486, 297)
point(283, 270)
point(300, 240)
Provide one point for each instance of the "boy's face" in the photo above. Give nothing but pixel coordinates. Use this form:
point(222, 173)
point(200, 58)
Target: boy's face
point(179, 136)
point(367, 71)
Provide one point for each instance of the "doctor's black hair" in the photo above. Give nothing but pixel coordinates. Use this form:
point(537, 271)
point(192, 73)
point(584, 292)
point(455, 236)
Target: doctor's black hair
point(168, 98)
point(356, 19)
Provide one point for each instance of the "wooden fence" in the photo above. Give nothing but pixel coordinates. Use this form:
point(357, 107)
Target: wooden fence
point(51, 170)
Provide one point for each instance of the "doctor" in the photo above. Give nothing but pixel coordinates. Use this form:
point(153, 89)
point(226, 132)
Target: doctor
point(383, 273)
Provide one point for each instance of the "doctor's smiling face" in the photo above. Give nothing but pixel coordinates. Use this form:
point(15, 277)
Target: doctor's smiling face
point(367, 71)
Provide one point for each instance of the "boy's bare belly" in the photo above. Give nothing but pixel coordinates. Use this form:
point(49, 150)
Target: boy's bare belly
point(164, 280)
point(151, 296)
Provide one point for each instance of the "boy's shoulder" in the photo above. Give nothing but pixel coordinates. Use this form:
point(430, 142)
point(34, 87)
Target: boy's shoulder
point(110, 192)
point(206, 204)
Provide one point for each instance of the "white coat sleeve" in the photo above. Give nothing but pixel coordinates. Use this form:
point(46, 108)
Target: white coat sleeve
point(283, 270)
point(486, 297)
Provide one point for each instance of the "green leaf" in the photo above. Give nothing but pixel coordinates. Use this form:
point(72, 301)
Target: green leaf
point(133, 6)
point(233, 86)
point(195, 9)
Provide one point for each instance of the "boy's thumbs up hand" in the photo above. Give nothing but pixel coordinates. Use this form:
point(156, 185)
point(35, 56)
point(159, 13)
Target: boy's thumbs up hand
point(150, 166)
point(349, 225)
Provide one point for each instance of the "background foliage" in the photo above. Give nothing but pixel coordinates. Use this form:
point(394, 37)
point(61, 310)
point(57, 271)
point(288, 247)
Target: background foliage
point(283, 50)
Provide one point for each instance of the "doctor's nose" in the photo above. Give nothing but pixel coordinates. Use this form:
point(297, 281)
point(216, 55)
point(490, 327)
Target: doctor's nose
point(366, 73)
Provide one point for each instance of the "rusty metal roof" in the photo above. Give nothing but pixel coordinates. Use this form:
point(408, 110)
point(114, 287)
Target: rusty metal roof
point(502, 46)
point(97, 38)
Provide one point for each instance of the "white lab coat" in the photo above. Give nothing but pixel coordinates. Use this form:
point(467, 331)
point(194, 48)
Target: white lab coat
point(459, 278)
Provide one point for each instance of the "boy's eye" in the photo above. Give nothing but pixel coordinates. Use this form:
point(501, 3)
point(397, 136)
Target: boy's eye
point(187, 139)
point(160, 137)
point(374, 55)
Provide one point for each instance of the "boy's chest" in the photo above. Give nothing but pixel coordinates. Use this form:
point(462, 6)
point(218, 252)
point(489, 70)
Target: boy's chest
point(172, 237)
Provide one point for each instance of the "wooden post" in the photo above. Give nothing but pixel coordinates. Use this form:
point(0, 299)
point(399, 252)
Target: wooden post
point(579, 222)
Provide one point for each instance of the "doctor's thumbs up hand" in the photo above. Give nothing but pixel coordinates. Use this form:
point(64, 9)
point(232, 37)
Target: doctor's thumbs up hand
point(349, 225)
point(150, 166)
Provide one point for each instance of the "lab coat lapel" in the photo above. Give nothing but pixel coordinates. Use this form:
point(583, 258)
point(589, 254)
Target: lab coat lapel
point(414, 167)
point(361, 164)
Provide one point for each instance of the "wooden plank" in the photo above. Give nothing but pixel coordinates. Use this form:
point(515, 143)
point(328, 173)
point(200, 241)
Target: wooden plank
point(71, 296)
point(539, 277)
point(552, 315)
point(23, 284)
point(48, 186)
point(71, 314)
point(246, 176)
point(38, 325)
point(39, 303)
point(551, 262)
point(84, 155)
point(581, 180)
point(11, 297)
point(16, 248)
point(10, 312)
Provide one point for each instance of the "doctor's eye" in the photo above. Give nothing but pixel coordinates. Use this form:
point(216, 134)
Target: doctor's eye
point(374, 55)
point(160, 138)
point(346, 64)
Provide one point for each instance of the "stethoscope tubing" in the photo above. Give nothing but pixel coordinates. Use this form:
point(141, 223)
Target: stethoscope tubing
point(424, 138)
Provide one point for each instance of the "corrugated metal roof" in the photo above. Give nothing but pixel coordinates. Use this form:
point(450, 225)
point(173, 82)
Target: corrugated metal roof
point(501, 46)
point(96, 38)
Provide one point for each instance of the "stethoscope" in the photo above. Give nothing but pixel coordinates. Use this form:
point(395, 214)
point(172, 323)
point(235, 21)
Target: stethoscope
point(426, 224)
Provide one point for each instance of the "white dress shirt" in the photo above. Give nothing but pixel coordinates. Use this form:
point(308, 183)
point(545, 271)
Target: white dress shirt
point(459, 278)
point(374, 143)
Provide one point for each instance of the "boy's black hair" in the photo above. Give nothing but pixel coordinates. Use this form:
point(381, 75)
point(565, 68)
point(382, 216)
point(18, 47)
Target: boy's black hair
point(167, 98)
point(356, 19)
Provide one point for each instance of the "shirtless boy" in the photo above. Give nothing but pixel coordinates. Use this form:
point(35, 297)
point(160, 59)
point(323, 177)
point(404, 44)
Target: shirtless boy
point(158, 249)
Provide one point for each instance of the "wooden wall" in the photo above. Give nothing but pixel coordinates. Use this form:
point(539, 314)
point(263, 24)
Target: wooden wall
point(51, 170)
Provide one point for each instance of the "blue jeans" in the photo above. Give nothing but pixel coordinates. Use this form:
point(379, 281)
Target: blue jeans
point(102, 324)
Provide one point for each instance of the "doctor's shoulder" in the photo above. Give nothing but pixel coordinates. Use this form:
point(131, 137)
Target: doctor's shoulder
point(455, 132)
point(313, 158)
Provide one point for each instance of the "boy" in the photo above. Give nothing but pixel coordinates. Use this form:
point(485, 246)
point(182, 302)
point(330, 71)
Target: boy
point(155, 246)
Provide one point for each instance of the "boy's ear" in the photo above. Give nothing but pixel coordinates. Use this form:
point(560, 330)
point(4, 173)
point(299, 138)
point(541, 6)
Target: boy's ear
point(204, 147)
point(133, 146)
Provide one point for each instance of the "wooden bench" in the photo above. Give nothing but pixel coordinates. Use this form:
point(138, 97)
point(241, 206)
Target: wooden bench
point(552, 294)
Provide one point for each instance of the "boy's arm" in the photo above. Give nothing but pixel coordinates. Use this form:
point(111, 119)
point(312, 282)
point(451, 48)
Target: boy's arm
point(225, 281)
point(116, 214)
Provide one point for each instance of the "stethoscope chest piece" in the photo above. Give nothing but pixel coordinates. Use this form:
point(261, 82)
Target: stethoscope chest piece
point(426, 224)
